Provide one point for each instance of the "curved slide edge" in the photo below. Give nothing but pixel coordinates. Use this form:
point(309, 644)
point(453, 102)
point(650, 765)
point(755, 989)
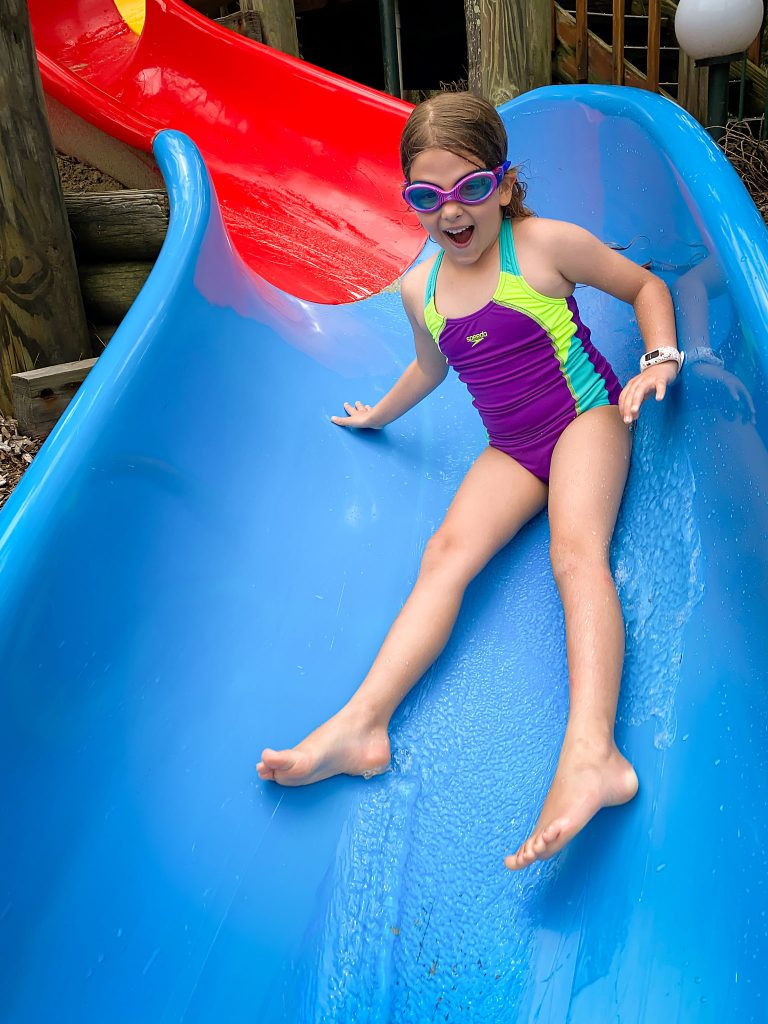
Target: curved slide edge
point(206, 343)
point(91, 409)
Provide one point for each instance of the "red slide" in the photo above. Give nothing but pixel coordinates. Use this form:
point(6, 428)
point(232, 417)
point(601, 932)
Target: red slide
point(305, 163)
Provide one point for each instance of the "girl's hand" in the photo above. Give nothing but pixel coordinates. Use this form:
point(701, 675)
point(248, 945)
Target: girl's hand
point(656, 378)
point(358, 415)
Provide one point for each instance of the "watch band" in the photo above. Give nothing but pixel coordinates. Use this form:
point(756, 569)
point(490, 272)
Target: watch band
point(662, 355)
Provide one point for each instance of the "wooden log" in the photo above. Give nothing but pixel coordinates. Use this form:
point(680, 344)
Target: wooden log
point(117, 226)
point(245, 23)
point(109, 289)
point(278, 23)
point(41, 312)
point(509, 46)
point(41, 396)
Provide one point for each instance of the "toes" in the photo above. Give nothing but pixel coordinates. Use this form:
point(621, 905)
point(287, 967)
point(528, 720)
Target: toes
point(539, 844)
point(278, 760)
point(513, 862)
point(529, 850)
point(523, 857)
point(553, 831)
point(274, 761)
point(536, 846)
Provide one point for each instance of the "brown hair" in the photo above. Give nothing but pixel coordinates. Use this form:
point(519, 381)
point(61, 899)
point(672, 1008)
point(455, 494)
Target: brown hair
point(468, 126)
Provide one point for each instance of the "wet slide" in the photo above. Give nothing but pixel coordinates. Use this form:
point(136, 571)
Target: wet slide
point(305, 165)
point(198, 564)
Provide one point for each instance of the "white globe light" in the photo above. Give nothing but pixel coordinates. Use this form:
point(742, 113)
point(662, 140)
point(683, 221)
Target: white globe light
point(716, 28)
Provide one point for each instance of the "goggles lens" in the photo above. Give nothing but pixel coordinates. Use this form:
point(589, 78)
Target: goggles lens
point(474, 188)
point(423, 197)
point(477, 188)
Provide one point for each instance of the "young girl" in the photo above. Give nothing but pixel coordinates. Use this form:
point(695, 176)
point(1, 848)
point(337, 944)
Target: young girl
point(497, 305)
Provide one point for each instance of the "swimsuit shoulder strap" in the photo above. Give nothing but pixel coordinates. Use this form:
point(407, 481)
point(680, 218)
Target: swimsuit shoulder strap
point(432, 280)
point(507, 254)
point(435, 323)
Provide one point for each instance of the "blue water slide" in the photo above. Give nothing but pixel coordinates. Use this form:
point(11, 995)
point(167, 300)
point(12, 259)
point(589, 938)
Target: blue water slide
point(199, 564)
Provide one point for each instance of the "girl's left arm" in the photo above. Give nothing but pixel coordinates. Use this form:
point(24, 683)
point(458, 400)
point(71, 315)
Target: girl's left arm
point(583, 259)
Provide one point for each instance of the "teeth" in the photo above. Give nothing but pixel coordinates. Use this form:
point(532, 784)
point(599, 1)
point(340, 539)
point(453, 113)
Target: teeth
point(456, 231)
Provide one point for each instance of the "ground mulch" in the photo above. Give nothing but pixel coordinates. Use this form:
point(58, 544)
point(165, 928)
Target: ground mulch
point(79, 177)
point(17, 450)
point(748, 152)
point(16, 453)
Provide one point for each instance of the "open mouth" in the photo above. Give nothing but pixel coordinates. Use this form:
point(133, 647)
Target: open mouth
point(460, 237)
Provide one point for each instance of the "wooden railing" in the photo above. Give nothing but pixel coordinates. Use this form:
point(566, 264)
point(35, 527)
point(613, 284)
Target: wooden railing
point(583, 56)
point(588, 56)
point(585, 51)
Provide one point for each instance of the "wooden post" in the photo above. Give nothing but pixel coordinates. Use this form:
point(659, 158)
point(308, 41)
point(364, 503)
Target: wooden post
point(693, 86)
point(618, 42)
point(755, 52)
point(509, 46)
point(41, 311)
point(582, 42)
point(654, 44)
point(278, 20)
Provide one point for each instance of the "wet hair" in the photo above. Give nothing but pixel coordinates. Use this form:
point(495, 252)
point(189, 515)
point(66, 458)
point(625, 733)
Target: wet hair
point(467, 126)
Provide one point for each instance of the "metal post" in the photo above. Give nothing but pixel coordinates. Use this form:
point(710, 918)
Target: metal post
point(717, 100)
point(717, 96)
point(388, 19)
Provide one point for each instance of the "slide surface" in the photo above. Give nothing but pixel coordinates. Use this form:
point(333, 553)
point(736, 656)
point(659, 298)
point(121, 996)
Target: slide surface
point(305, 164)
point(198, 564)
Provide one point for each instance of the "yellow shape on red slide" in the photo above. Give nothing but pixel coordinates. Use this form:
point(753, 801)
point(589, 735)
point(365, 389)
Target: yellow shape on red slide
point(132, 13)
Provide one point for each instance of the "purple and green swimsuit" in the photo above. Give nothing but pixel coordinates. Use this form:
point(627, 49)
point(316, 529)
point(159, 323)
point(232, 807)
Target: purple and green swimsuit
point(526, 359)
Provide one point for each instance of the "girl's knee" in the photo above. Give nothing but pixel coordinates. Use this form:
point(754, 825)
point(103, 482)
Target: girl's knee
point(574, 557)
point(446, 553)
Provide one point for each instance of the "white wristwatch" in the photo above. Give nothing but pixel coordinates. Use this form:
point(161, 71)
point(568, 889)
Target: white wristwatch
point(662, 355)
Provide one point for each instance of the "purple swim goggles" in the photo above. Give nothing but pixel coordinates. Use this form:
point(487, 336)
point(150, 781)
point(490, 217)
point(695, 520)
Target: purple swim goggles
point(472, 189)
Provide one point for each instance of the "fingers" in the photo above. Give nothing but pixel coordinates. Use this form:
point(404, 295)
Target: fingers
point(636, 392)
point(633, 396)
point(355, 413)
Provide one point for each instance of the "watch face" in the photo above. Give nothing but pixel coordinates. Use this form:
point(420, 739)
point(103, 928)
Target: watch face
point(652, 355)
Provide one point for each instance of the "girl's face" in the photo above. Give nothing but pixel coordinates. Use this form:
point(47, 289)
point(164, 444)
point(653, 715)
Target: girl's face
point(466, 233)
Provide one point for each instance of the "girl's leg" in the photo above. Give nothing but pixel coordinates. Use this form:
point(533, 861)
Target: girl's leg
point(589, 470)
point(495, 499)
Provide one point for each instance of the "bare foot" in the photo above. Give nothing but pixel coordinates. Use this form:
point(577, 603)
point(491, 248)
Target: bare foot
point(586, 780)
point(347, 744)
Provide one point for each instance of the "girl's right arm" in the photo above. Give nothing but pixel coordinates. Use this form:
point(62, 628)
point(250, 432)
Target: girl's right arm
point(427, 370)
